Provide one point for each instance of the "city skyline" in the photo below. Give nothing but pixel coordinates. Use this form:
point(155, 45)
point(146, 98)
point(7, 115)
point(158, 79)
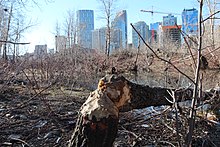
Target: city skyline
point(44, 33)
point(159, 32)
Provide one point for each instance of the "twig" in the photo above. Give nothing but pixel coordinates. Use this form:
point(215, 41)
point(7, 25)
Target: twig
point(137, 137)
point(17, 140)
point(166, 125)
point(210, 16)
point(167, 143)
point(210, 141)
point(187, 57)
point(26, 102)
point(176, 116)
point(38, 87)
point(188, 46)
point(212, 51)
point(29, 81)
point(138, 50)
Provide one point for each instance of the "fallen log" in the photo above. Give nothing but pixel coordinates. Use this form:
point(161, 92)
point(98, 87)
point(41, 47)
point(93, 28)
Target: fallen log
point(98, 116)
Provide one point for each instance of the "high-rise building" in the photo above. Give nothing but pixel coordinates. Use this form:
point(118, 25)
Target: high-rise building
point(155, 26)
point(40, 50)
point(120, 22)
point(190, 21)
point(143, 29)
point(85, 24)
point(169, 20)
point(170, 34)
point(99, 39)
point(60, 43)
point(153, 33)
point(116, 40)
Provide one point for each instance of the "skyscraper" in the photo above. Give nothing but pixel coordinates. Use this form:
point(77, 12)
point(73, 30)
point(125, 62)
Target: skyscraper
point(99, 39)
point(120, 22)
point(190, 21)
point(169, 31)
point(61, 43)
point(85, 24)
point(143, 29)
point(116, 40)
point(40, 51)
point(155, 26)
point(169, 34)
point(153, 33)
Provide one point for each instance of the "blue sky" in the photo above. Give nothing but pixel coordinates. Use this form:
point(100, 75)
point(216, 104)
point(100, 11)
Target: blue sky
point(47, 14)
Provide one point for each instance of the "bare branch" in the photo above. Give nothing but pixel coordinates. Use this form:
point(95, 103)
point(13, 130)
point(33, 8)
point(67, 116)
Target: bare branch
point(210, 16)
point(160, 57)
point(20, 43)
point(187, 43)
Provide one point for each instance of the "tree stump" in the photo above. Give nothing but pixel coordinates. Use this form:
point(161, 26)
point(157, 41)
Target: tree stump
point(97, 122)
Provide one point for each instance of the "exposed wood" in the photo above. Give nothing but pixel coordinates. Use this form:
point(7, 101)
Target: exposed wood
point(135, 96)
point(97, 122)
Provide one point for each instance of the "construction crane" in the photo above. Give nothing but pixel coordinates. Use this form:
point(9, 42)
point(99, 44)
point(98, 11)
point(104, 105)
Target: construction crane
point(152, 12)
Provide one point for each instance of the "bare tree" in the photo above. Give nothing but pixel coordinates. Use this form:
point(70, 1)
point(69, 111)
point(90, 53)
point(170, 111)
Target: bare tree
point(2, 13)
point(212, 8)
point(197, 81)
point(13, 26)
point(108, 9)
point(70, 28)
point(6, 31)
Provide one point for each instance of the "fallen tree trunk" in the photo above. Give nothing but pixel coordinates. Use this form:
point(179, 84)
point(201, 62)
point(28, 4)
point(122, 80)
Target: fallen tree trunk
point(98, 116)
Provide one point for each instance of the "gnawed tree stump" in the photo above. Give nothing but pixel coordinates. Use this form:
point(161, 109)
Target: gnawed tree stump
point(97, 122)
point(98, 116)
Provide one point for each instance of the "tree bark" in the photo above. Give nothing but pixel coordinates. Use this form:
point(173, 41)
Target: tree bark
point(98, 116)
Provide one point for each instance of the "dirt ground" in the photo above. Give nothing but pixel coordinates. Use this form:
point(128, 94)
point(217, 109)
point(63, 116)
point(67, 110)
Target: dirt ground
point(48, 120)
